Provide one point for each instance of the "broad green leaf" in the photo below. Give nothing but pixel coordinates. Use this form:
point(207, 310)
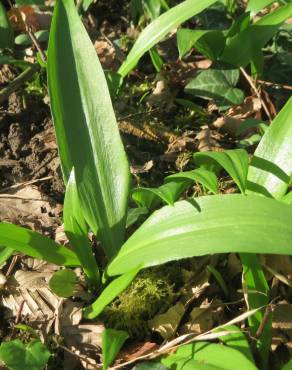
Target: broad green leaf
point(134, 214)
point(87, 132)
point(217, 83)
point(269, 174)
point(204, 177)
point(287, 198)
point(36, 245)
point(254, 6)
point(211, 44)
point(76, 230)
point(63, 283)
point(208, 225)
point(5, 253)
point(271, 167)
point(86, 4)
point(112, 342)
point(6, 30)
point(110, 293)
point(167, 193)
point(245, 46)
point(217, 355)
point(160, 27)
point(236, 339)
point(19, 356)
point(287, 366)
point(186, 39)
point(149, 366)
point(234, 162)
point(181, 363)
point(239, 25)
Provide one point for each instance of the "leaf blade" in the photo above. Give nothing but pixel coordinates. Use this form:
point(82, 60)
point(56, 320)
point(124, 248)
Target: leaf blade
point(207, 225)
point(84, 118)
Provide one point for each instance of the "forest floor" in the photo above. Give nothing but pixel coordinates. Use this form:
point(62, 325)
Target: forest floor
point(160, 132)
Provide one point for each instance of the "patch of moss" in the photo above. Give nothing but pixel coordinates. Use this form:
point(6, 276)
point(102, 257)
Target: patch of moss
point(151, 293)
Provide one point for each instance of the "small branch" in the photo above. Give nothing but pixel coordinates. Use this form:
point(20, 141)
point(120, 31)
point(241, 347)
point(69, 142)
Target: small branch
point(281, 86)
point(256, 91)
point(37, 45)
point(22, 184)
point(17, 82)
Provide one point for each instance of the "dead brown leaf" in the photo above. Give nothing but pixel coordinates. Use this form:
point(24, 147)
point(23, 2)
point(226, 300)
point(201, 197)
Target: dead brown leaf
point(166, 324)
point(282, 324)
point(28, 205)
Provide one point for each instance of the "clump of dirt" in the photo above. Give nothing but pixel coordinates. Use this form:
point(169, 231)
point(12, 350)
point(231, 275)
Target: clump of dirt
point(28, 148)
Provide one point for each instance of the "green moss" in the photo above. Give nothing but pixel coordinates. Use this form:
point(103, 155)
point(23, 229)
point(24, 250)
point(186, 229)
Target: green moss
point(151, 293)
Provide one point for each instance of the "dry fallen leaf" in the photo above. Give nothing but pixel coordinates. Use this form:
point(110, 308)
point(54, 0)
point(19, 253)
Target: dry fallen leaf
point(204, 318)
point(28, 205)
point(167, 323)
point(282, 324)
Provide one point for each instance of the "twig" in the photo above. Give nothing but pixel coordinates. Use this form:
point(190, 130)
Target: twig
point(81, 357)
point(17, 82)
point(268, 83)
point(12, 196)
point(11, 266)
point(15, 186)
point(253, 86)
point(269, 309)
point(37, 45)
point(18, 316)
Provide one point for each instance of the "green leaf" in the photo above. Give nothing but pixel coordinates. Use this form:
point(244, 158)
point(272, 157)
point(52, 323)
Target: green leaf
point(254, 6)
point(211, 44)
point(256, 289)
point(236, 339)
point(149, 366)
point(186, 39)
point(87, 132)
point(208, 225)
point(156, 59)
point(217, 83)
point(287, 198)
point(5, 253)
point(19, 356)
point(36, 245)
point(6, 30)
point(134, 214)
point(271, 167)
point(63, 283)
point(112, 342)
point(24, 39)
point(110, 293)
point(167, 193)
point(160, 27)
point(7, 59)
point(76, 230)
point(287, 366)
point(245, 46)
point(219, 278)
point(29, 2)
point(204, 177)
point(217, 356)
point(234, 162)
point(269, 174)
